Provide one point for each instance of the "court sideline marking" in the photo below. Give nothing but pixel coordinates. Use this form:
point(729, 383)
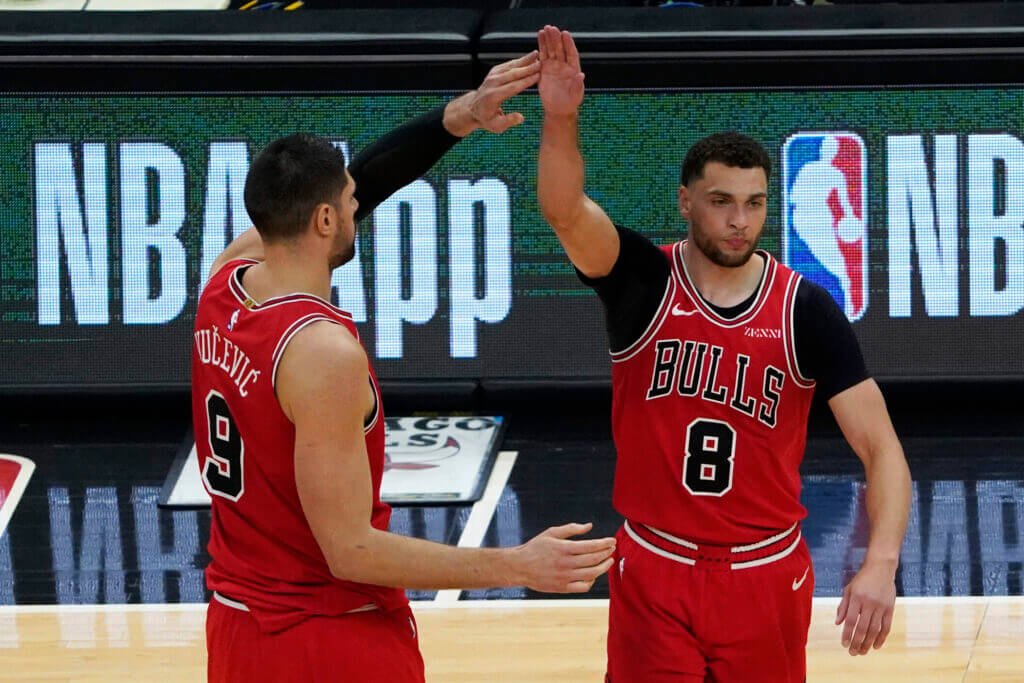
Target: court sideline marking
point(481, 515)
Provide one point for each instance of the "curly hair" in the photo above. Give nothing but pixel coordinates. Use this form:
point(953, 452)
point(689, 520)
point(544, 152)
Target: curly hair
point(730, 148)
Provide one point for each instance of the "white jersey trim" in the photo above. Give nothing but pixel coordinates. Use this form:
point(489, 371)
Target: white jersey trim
point(741, 548)
point(244, 298)
point(229, 602)
point(763, 290)
point(286, 338)
point(669, 537)
point(789, 333)
point(771, 558)
point(765, 542)
point(297, 327)
point(234, 604)
point(652, 328)
point(655, 549)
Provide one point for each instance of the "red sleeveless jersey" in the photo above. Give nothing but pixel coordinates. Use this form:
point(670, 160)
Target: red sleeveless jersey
point(709, 415)
point(262, 550)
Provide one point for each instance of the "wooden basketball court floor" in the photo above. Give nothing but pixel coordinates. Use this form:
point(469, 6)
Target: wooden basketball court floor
point(87, 532)
point(936, 640)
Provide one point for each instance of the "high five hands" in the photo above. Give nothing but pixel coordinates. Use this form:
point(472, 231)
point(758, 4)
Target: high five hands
point(482, 108)
point(561, 79)
point(555, 65)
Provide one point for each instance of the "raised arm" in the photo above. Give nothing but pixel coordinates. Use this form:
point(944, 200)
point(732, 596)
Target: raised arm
point(869, 598)
point(584, 229)
point(322, 386)
point(409, 151)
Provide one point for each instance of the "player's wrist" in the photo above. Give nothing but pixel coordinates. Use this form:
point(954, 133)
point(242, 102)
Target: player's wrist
point(514, 566)
point(881, 561)
point(458, 116)
point(561, 117)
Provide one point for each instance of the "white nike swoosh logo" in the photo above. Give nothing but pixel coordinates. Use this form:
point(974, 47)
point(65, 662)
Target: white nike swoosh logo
point(799, 582)
point(678, 311)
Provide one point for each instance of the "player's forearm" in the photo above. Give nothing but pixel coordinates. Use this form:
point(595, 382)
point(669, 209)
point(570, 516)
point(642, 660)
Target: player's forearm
point(386, 559)
point(560, 171)
point(888, 505)
point(400, 157)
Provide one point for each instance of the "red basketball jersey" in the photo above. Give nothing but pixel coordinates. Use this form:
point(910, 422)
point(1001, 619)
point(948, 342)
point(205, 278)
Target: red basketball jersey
point(709, 415)
point(262, 550)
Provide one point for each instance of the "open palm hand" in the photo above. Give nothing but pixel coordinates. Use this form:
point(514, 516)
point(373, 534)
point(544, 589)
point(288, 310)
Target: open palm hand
point(561, 80)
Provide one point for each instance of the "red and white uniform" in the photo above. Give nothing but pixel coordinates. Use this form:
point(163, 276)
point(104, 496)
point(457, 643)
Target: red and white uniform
point(265, 561)
point(709, 418)
point(709, 415)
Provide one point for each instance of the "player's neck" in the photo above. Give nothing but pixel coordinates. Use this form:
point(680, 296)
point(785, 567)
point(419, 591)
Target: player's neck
point(287, 271)
point(721, 286)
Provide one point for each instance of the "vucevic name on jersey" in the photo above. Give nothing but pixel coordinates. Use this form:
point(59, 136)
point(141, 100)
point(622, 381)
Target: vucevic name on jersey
point(263, 552)
point(709, 414)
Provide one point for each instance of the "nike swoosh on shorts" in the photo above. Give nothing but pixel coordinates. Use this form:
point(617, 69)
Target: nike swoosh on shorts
point(799, 582)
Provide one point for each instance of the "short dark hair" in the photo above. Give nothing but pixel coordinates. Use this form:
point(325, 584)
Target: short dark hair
point(288, 179)
point(730, 148)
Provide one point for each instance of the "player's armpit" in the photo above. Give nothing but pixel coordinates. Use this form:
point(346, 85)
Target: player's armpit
point(322, 385)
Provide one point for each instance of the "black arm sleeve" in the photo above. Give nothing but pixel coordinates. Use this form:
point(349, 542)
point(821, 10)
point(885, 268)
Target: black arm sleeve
point(632, 291)
point(398, 158)
point(826, 347)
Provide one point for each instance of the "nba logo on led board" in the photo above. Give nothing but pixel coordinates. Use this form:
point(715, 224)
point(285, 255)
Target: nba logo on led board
point(824, 214)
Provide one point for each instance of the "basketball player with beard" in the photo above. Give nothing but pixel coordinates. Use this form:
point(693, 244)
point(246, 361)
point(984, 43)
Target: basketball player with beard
point(306, 578)
point(717, 350)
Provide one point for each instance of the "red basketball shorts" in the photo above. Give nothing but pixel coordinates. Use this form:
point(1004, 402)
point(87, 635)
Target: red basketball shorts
point(362, 646)
point(730, 615)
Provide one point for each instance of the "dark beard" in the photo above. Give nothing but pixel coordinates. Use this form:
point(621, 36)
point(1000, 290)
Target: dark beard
point(344, 257)
point(717, 256)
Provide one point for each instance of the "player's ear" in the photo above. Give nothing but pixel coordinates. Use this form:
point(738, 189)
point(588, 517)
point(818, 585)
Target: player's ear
point(324, 219)
point(684, 202)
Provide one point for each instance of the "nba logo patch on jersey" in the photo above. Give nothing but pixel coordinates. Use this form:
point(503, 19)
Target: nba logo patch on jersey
point(824, 214)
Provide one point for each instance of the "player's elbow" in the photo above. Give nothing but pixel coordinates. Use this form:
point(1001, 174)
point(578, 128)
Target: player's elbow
point(349, 561)
point(560, 215)
point(344, 567)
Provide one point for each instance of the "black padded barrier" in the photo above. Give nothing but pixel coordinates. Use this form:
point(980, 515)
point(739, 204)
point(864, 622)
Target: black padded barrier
point(237, 51)
point(433, 48)
point(777, 46)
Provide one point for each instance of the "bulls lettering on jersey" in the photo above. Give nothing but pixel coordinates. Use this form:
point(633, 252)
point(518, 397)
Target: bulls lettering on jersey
point(679, 366)
point(709, 414)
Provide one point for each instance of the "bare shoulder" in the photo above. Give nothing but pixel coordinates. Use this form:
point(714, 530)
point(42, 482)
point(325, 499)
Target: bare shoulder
point(320, 364)
point(324, 349)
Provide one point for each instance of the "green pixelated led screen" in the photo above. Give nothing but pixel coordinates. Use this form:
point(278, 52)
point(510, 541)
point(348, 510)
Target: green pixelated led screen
point(907, 205)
